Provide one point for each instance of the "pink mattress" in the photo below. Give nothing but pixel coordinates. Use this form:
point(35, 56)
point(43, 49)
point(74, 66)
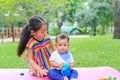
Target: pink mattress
point(91, 73)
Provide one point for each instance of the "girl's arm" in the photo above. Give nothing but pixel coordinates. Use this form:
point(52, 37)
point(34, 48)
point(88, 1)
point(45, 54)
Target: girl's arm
point(56, 64)
point(52, 46)
point(33, 64)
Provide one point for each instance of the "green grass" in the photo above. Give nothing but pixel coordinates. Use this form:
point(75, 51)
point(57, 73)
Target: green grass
point(87, 52)
point(9, 58)
point(96, 51)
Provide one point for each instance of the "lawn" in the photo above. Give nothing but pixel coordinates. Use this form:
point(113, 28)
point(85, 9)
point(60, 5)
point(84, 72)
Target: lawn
point(87, 52)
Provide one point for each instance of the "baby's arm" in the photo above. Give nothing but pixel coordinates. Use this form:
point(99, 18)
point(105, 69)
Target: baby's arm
point(71, 66)
point(71, 62)
point(56, 64)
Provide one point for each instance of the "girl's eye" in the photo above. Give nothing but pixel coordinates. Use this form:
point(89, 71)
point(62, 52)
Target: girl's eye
point(44, 32)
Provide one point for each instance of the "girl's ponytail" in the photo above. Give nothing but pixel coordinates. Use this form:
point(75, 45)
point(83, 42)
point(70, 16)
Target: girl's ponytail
point(35, 24)
point(25, 36)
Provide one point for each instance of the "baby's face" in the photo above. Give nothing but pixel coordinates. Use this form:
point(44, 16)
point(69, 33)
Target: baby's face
point(62, 45)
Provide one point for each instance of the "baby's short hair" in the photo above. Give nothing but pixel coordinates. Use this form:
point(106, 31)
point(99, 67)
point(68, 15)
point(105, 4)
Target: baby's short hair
point(62, 36)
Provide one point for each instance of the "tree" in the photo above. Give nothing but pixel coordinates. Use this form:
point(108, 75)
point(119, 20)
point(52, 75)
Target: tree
point(104, 13)
point(95, 13)
point(88, 18)
point(10, 14)
point(57, 12)
point(116, 17)
point(72, 7)
point(60, 12)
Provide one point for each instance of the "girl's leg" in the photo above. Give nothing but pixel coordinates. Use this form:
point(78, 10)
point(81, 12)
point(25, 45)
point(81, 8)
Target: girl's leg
point(74, 74)
point(55, 74)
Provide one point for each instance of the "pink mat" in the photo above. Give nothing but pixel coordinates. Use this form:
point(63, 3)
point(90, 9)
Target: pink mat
point(93, 73)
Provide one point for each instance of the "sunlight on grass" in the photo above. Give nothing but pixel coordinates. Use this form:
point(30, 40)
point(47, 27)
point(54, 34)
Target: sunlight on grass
point(96, 51)
point(87, 52)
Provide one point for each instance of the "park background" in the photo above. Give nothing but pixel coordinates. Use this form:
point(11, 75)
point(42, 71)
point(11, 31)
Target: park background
point(97, 19)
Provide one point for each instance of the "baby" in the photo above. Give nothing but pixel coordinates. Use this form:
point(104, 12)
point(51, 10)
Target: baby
point(61, 61)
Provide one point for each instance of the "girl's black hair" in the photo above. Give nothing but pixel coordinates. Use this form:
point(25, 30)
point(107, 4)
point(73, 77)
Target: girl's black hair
point(34, 24)
point(62, 36)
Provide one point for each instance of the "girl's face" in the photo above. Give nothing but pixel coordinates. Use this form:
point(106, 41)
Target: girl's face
point(62, 45)
point(41, 33)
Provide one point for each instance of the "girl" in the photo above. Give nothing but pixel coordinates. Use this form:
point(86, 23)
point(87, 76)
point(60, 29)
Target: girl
point(60, 58)
point(35, 40)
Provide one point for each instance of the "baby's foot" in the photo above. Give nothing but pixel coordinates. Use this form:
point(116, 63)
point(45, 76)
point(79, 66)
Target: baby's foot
point(66, 78)
point(73, 79)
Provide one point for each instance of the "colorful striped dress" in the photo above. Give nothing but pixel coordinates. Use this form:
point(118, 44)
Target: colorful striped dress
point(41, 53)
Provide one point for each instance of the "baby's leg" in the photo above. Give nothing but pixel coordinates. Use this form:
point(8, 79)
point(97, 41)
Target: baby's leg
point(74, 75)
point(55, 74)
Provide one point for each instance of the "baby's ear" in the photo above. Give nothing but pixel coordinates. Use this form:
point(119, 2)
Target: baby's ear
point(68, 44)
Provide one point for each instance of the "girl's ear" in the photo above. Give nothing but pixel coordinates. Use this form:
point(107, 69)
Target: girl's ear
point(32, 33)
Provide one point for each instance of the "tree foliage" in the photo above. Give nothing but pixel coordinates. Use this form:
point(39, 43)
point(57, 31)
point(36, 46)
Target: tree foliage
point(87, 13)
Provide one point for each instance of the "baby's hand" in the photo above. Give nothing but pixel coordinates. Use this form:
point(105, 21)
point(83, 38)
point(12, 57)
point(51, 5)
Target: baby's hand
point(60, 65)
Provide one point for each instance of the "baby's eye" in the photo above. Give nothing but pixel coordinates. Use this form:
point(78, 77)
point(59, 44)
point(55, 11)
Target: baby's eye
point(60, 45)
point(65, 45)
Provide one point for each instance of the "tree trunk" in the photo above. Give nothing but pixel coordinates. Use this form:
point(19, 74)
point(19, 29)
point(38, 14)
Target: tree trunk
point(116, 18)
point(94, 31)
point(103, 30)
point(13, 38)
point(60, 22)
point(48, 27)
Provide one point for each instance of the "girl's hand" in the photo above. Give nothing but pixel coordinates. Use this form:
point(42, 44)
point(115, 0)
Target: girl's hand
point(46, 72)
point(43, 72)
